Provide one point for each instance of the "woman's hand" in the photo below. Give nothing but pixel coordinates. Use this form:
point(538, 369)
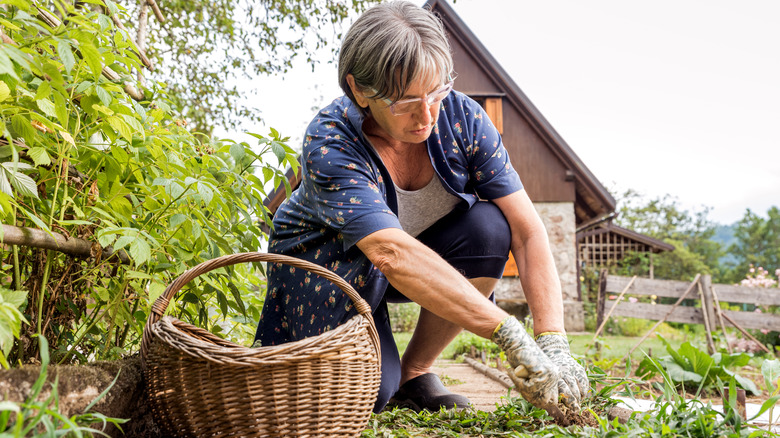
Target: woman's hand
point(574, 384)
point(535, 376)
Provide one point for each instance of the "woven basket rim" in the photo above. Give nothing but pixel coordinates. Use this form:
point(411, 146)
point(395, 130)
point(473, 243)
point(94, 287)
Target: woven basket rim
point(172, 327)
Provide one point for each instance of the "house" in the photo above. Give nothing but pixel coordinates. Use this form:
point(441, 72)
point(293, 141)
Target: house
point(565, 193)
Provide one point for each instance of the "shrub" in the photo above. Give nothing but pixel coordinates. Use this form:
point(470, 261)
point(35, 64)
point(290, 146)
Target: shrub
point(82, 158)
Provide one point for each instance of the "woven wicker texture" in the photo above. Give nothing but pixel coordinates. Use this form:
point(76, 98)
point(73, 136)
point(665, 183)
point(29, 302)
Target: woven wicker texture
point(203, 386)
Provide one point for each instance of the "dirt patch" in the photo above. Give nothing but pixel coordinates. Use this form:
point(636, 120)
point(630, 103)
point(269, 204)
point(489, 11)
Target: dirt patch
point(79, 385)
point(582, 418)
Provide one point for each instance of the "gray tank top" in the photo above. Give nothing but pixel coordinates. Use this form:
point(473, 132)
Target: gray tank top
point(419, 209)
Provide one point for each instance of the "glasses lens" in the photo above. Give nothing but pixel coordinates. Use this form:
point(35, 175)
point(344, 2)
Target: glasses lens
point(409, 105)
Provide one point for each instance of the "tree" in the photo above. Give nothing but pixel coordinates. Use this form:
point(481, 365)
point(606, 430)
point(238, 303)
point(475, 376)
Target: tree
point(758, 243)
point(663, 219)
point(207, 47)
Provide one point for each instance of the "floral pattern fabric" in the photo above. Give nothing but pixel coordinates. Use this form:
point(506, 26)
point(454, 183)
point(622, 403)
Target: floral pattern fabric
point(346, 194)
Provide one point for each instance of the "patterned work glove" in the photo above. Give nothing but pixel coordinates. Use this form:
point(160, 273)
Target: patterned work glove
point(534, 374)
point(574, 384)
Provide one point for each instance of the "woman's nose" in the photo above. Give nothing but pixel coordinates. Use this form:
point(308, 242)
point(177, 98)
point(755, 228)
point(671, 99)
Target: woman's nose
point(424, 116)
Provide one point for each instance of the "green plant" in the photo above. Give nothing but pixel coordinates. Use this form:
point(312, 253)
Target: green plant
point(466, 340)
point(11, 320)
point(770, 370)
point(41, 418)
point(403, 316)
point(694, 368)
point(81, 158)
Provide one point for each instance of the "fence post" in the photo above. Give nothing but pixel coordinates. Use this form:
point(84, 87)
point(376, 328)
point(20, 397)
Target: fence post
point(708, 310)
point(601, 297)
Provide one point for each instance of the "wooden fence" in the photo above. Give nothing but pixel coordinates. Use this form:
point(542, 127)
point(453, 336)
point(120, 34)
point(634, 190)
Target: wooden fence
point(705, 296)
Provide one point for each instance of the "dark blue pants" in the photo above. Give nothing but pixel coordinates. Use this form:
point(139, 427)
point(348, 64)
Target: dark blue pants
point(475, 242)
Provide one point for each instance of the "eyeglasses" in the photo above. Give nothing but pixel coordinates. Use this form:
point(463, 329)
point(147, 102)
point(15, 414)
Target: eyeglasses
point(401, 107)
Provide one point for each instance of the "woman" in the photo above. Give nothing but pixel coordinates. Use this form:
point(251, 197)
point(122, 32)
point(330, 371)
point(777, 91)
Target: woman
point(407, 193)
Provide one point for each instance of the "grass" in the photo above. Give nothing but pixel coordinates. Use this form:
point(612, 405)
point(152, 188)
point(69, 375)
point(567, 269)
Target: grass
point(615, 347)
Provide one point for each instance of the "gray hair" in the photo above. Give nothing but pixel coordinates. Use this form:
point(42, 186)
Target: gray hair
point(392, 45)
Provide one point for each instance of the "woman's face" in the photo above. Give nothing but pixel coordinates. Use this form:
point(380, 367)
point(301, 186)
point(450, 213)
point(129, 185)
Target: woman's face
point(412, 127)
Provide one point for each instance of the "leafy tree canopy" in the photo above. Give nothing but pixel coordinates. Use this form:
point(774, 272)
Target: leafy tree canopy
point(758, 243)
point(204, 48)
point(690, 233)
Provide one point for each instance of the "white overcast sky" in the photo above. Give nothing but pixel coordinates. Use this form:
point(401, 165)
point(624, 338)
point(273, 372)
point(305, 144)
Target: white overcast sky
point(677, 97)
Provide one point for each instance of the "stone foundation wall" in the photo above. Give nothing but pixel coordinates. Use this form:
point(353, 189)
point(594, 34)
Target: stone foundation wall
point(558, 218)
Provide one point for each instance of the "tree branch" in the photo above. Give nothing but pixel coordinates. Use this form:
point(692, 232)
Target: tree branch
point(24, 236)
point(107, 72)
point(140, 38)
point(156, 9)
point(138, 51)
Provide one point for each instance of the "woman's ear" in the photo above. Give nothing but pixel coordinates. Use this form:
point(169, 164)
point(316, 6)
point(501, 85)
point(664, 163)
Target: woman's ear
point(360, 98)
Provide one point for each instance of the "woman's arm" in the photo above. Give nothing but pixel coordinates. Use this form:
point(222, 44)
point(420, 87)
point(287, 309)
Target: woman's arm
point(531, 249)
point(427, 279)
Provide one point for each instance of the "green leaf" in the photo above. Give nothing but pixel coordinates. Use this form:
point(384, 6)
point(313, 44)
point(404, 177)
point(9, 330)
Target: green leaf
point(6, 405)
point(278, 150)
point(66, 55)
point(5, 186)
point(5, 92)
point(92, 55)
point(237, 151)
point(47, 107)
point(15, 297)
point(770, 369)
point(51, 69)
point(61, 109)
point(120, 126)
point(23, 184)
point(698, 361)
point(140, 251)
point(103, 109)
point(44, 91)
point(206, 192)
point(6, 65)
point(39, 156)
point(678, 374)
point(103, 95)
point(23, 128)
point(123, 241)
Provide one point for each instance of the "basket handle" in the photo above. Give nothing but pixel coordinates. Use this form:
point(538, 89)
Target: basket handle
point(162, 302)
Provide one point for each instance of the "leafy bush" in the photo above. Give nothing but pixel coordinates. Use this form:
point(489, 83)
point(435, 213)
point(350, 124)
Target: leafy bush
point(82, 158)
point(694, 368)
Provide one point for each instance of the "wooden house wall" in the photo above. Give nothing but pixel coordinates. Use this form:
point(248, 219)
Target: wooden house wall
point(542, 173)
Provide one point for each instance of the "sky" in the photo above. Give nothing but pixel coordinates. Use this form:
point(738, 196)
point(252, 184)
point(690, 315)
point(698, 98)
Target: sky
point(665, 97)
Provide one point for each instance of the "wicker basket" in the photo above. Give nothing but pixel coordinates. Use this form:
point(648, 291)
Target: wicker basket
point(202, 386)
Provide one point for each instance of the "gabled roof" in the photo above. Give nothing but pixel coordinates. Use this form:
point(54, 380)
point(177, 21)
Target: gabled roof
point(593, 199)
point(651, 244)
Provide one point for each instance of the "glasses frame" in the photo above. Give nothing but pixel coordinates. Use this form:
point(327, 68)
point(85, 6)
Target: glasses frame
point(429, 98)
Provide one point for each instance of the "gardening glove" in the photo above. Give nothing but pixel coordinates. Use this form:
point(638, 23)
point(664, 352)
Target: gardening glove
point(534, 374)
point(574, 384)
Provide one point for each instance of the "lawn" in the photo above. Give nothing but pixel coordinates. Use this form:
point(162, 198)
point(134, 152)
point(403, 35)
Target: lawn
point(614, 347)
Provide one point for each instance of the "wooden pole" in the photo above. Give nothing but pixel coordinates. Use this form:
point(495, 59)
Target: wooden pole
point(690, 288)
point(606, 318)
point(705, 311)
point(744, 332)
point(600, 298)
point(719, 314)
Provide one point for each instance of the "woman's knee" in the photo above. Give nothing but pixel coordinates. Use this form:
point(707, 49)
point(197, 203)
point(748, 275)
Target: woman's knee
point(487, 228)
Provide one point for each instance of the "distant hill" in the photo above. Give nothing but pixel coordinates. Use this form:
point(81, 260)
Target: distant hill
point(724, 234)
